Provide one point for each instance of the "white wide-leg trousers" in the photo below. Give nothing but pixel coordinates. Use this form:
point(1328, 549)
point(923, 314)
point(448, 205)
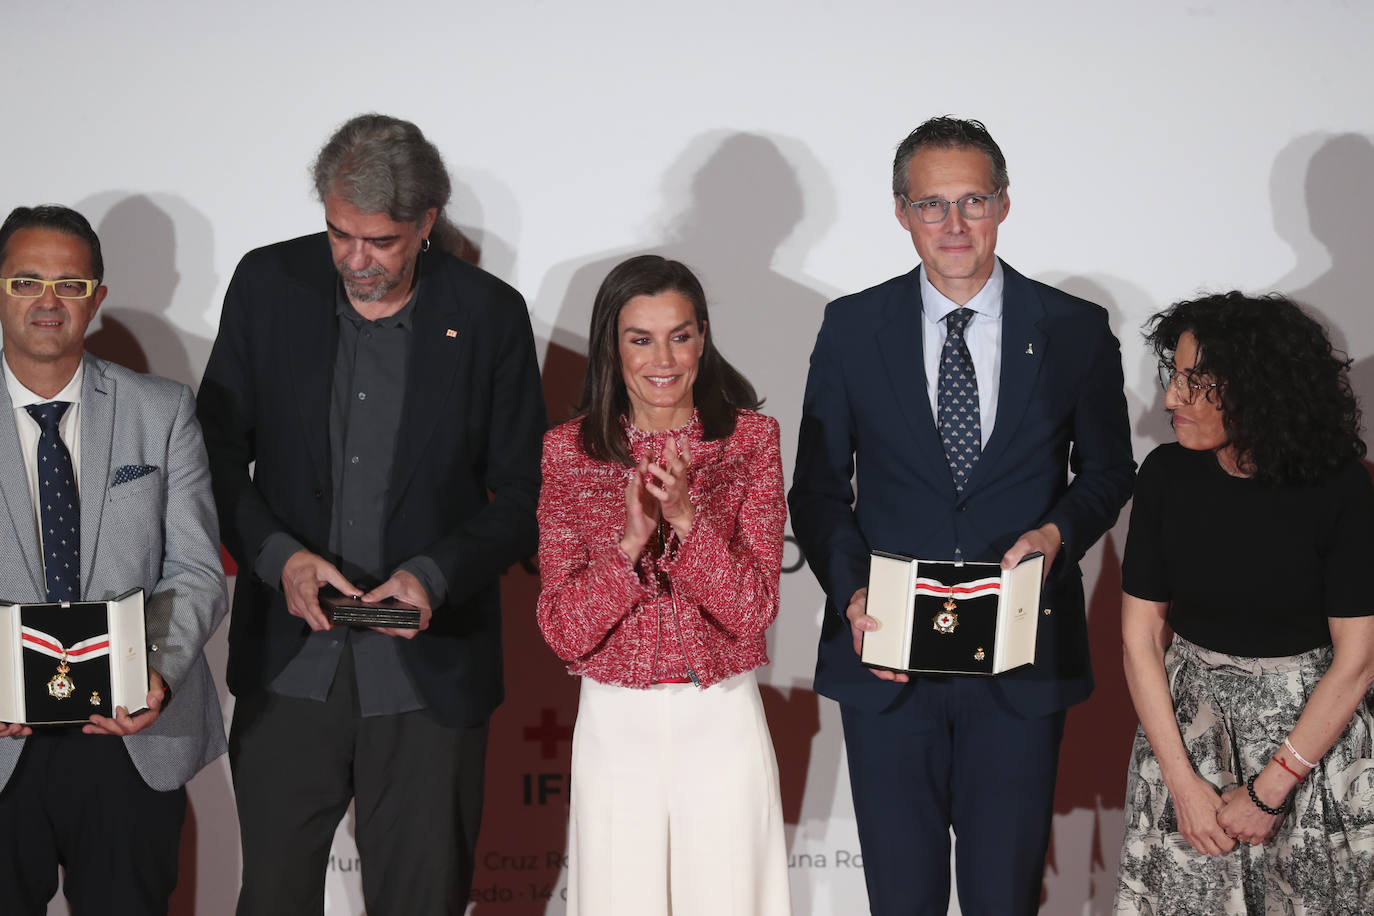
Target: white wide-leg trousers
point(675, 804)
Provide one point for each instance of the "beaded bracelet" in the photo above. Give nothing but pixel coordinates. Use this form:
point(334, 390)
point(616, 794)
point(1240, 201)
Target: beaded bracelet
point(1301, 759)
point(1273, 812)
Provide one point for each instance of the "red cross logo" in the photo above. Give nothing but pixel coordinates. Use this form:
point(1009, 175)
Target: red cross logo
point(548, 733)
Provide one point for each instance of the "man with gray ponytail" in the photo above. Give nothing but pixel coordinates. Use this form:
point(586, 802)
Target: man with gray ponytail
point(373, 415)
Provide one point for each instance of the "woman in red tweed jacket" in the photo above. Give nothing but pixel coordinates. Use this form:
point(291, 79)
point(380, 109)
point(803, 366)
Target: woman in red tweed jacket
point(661, 525)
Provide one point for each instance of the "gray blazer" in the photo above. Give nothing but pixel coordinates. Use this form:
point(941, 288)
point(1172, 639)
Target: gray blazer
point(157, 532)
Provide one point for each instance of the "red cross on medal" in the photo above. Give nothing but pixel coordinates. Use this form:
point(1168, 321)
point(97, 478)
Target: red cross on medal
point(60, 686)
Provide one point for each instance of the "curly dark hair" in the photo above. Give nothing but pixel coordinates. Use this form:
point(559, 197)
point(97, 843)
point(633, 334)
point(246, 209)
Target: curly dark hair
point(1285, 393)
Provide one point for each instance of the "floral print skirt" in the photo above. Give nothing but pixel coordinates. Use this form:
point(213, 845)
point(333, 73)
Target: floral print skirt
point(1233, 714)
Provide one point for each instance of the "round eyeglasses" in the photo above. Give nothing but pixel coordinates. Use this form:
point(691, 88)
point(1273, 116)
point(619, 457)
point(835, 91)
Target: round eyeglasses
point(1185, 386)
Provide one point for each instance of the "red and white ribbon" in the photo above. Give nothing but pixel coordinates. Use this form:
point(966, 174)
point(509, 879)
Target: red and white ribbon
point(974, 589)
point(85, 650)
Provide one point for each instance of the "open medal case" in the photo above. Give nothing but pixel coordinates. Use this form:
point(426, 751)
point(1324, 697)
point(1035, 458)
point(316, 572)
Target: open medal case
point(945, 617)
point(62, 661)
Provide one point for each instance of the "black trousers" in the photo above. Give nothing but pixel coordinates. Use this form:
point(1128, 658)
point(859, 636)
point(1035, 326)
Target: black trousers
point(77, 801)
point(417, 788)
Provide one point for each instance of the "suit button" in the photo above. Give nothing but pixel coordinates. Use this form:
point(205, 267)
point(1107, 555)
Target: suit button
point(961, 507)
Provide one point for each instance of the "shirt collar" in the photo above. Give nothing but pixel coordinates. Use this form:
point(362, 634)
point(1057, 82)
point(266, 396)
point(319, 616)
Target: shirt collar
point(935, 305)
point(20, 396)
point(401, 319)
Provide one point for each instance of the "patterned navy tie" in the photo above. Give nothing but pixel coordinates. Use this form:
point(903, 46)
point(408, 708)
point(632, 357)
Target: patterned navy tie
point(58, 507)
point(961, 428)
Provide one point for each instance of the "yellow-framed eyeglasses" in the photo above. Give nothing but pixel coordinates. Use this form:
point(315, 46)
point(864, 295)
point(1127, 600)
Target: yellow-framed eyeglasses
point(33, 288)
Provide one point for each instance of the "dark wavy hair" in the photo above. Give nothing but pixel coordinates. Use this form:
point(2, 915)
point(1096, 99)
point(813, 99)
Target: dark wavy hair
point(948, 132)
point(1286, 401)
point(718, 392)
point(382, 164)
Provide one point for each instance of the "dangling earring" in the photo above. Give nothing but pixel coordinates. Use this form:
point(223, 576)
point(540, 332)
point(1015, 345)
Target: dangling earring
point(424, 244)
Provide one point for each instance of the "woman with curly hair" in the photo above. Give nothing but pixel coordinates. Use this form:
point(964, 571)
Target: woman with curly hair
point(1251, 784)
point(660, 549)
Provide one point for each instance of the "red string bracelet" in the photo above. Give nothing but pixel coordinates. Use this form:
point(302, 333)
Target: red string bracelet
point(1279, 761)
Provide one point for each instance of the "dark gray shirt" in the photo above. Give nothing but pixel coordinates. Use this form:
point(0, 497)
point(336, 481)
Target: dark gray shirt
point(366, 397)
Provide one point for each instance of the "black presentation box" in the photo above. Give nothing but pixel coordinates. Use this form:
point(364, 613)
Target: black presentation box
point(944, 617)
point(354, 612)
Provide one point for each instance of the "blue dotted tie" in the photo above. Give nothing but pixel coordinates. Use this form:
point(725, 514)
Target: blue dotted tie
point(58, 507)
point(961, 428)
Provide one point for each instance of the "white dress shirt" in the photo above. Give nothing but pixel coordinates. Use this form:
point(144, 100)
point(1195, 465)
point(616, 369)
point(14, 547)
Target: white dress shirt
point(983, 334)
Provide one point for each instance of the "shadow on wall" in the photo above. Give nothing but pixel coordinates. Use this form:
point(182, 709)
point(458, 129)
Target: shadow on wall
point(158, 263)
point(734, 210)
point(159, 269)
point(1093, 757)
point(1334, 274)
point(476, 193)
point(529, 747)
point(1098, 733)
point(737, 215)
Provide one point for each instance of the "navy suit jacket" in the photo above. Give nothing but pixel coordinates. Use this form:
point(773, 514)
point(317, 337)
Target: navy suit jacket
point(464, 480)
point(866, 417)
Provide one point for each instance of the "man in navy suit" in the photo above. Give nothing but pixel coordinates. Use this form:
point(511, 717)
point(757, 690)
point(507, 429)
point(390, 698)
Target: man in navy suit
point(958, 397)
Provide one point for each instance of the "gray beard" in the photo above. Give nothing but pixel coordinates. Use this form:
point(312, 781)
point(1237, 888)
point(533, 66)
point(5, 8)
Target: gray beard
point(366, 294)
point(363, 294)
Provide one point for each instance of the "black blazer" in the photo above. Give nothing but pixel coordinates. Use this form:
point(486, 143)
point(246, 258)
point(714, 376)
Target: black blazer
point(464, 480)
point(866, 416)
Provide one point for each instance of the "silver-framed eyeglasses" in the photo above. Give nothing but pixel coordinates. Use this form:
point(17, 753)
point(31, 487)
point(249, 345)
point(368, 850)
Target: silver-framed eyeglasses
point(971, 206)
point(33, 288)
point(1185, 385)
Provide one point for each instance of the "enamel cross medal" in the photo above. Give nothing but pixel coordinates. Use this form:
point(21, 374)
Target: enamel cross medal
point(61, 686)
point(947, 621)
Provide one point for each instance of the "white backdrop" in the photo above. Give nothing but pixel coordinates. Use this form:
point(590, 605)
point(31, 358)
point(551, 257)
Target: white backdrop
point(1155, 150)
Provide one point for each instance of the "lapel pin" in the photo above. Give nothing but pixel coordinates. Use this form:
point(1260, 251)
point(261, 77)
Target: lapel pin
point(1030, 349)
point(450, 333)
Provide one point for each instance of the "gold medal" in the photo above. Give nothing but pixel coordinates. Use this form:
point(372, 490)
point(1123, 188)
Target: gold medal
point(61, 687)
point(945, 622)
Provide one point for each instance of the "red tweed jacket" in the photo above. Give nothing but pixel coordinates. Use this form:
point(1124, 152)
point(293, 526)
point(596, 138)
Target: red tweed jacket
point(718, 588)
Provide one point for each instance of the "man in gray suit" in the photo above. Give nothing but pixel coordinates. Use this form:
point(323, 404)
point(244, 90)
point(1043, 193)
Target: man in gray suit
point(105, 799)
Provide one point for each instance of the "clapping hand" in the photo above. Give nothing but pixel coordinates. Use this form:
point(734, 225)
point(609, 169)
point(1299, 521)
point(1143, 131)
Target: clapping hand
point(670, 484)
